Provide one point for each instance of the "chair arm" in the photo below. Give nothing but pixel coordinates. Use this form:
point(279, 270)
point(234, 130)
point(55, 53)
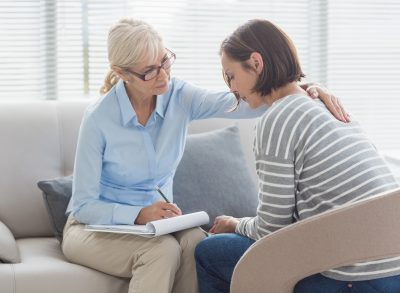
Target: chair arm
point(362, 231)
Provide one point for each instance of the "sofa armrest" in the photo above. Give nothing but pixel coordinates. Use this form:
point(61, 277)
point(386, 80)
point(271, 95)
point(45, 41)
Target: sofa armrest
point(9, 252)
point(362, 231)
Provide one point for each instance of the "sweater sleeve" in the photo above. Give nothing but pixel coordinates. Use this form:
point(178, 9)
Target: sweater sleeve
point(276, 204)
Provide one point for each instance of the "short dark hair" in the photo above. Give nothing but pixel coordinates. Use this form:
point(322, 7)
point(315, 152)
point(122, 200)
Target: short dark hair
point(281, 63)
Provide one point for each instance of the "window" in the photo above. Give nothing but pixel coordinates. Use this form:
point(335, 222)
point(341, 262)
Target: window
point(363, 64)
point(56, 49)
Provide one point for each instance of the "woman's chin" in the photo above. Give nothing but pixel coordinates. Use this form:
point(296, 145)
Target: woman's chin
point(254, 103)
point(251, 105)
point(256, 106)
point(161, 89)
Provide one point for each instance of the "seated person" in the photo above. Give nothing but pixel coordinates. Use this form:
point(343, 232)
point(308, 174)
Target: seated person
point(307, 163)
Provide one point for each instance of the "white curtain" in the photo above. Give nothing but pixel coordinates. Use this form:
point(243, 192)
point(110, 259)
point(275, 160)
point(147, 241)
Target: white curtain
point(56, 49)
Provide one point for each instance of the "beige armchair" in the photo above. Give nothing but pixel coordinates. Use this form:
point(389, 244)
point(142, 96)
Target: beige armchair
point(362, 231)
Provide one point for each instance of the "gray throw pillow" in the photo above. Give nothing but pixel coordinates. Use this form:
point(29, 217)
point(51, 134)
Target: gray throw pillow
point(56, 194)
point(213, 176)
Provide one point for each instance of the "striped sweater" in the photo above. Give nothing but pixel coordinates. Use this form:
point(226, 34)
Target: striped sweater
point(307, 163)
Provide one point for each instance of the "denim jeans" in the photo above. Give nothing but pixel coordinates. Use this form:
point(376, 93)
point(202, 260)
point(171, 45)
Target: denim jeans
point(217, 255)
point(318, 283)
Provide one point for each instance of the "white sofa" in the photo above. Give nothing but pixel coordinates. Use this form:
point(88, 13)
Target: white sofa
point(38, 141)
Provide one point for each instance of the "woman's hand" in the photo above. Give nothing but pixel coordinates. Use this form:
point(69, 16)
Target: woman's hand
point(224, 224)
point(156, 211)
point(331, 102)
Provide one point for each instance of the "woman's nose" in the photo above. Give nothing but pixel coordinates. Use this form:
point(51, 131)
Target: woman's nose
point(233, 87)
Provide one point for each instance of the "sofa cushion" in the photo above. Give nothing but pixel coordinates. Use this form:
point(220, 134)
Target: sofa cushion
point(57, 193)
point(44, 269)
point(213, 176)
point(9, 252)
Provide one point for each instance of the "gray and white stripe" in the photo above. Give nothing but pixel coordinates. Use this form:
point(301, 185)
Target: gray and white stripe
point(307, 163)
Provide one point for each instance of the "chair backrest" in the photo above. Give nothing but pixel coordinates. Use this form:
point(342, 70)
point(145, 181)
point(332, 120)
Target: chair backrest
point(362, 231)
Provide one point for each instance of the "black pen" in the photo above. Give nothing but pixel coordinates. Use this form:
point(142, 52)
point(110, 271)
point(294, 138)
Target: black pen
point(162, 194)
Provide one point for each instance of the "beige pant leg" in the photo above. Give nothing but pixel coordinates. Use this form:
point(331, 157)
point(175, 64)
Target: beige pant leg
point(186, 276)
point(151, 263)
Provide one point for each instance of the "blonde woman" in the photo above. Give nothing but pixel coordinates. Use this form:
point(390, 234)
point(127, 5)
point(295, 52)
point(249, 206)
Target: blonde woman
point(131, 140)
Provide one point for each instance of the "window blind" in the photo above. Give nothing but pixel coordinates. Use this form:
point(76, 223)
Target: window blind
point(56, 49)
point(363, 67)
point(68, 38)
point(20, 50)
point(195, 30)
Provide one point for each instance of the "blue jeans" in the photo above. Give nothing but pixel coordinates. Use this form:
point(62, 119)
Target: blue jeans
point(320, 284)
point(217, 255)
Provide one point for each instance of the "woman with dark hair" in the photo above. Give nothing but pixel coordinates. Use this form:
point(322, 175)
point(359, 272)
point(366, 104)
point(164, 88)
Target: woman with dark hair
point(307, 163)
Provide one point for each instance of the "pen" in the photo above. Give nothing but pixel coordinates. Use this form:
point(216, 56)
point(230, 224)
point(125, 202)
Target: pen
point(162, 194)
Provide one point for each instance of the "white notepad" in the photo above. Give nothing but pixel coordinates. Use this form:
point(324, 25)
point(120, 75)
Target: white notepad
point(156, 228)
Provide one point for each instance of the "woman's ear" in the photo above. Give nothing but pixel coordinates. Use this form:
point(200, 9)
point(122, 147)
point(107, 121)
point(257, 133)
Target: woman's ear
point(120, 73)
point(257, 62)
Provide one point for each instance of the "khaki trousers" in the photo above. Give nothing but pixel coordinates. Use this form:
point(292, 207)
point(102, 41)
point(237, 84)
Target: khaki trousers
point(161, 264)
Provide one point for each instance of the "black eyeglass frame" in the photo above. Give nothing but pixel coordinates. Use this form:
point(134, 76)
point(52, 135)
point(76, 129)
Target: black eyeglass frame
point(157, 69)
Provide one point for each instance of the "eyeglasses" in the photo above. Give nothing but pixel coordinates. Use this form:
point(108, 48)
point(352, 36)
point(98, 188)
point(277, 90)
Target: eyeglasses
point(153, 73)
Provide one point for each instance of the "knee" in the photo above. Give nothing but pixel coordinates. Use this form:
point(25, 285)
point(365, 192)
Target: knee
point(70, 247)
point(191, 238)
point(167, 251)
point(207, 250)
point(200, 253)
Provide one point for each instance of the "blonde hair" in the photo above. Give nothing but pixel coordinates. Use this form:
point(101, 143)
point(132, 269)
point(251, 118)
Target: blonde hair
point(128, 42)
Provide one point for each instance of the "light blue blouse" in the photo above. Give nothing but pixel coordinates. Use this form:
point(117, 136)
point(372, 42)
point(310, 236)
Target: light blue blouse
point(119, 161)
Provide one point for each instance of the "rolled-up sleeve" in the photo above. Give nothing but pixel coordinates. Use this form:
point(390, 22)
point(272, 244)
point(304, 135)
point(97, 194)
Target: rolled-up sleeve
point(277, 203)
